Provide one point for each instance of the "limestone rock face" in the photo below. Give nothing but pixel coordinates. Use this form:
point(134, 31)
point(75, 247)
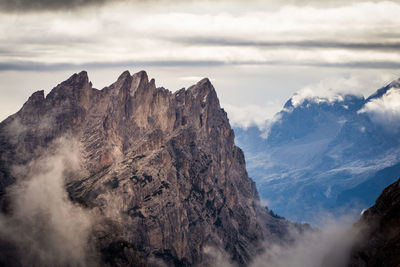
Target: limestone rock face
point(161, 165)
point(380, 235)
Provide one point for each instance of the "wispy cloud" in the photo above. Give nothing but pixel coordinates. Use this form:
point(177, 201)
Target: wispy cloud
point(40, 5)
point(311, 44)
point(328, 90)
point(386, 109)
point(334, 88)
point(349, 36)
point(38, 66)
point(328, 246)
point(45, 227)
point(251, 115)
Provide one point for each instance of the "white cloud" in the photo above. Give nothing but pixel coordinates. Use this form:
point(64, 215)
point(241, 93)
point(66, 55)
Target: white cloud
point(334, 88)
point(385, 110)
point(328, 246)
point(45, 226)
point(251, 115)
point(128, 31)
point(328, 90)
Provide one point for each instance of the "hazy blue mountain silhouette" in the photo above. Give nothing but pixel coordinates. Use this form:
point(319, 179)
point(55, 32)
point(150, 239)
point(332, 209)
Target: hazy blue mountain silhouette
point(322, 156)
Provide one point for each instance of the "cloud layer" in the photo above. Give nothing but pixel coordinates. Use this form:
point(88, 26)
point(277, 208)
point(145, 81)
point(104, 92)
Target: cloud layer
point(44, 226)
point(334, 88)
point(385, 110)
point(361, 35)
point(328, 246)
point(327, 90)
point(251, 115)
point(294, 44)
point(40, 5)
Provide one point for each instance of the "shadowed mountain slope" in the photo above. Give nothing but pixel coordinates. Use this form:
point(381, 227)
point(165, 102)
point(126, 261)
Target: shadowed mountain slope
point(323, 154)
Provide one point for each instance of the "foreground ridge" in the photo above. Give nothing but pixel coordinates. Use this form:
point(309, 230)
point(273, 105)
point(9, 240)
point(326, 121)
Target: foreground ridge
point(379, 245)
point(159, 169)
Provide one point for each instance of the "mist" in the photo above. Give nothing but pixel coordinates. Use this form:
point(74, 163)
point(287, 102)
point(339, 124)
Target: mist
point(329, 245)
point(44, 228)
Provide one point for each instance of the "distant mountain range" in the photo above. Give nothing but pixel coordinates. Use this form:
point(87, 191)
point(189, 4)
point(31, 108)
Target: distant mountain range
point(321, 154)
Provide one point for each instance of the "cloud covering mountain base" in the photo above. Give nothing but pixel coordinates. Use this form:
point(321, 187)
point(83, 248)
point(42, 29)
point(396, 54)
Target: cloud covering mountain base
point(43, 227)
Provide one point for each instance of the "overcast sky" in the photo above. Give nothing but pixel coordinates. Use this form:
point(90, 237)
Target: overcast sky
point(257, 53)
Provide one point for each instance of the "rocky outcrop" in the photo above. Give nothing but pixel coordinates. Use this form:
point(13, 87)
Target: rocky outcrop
point(161, 166)
point(379, 243)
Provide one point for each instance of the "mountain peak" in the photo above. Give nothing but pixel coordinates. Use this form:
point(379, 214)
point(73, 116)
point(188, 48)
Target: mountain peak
point(83, 73)
point(380, 92)
point(162, 165)
point(395, 83)
point(204, 86)
point(204, 81)
point(77, 79)
point(124, 75)
point(37, 96)
point(34, 100)
point(142, 76)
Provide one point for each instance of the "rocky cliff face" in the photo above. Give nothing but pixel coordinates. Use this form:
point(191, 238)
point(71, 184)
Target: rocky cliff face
point(380, 235)
point(161, 167)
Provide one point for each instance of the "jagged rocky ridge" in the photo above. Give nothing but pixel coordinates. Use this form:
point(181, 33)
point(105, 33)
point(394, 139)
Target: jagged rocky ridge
point(161, 167)
point(380, 234)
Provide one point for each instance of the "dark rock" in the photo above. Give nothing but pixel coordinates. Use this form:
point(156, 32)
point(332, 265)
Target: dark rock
point(379, 243)
point(164, 163)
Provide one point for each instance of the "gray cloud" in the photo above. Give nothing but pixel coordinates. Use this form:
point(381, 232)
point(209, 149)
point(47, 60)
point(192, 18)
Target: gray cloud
point(382, 46)
point(45, 5)
point(324, 3)
point(134, 36)
point(361, 65)
point(35, 5)
point(22, 6)
point(36, 66)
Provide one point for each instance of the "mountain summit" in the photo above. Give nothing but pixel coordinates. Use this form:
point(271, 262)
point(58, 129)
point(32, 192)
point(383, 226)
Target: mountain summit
point(161, 169)
point(335, 154)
